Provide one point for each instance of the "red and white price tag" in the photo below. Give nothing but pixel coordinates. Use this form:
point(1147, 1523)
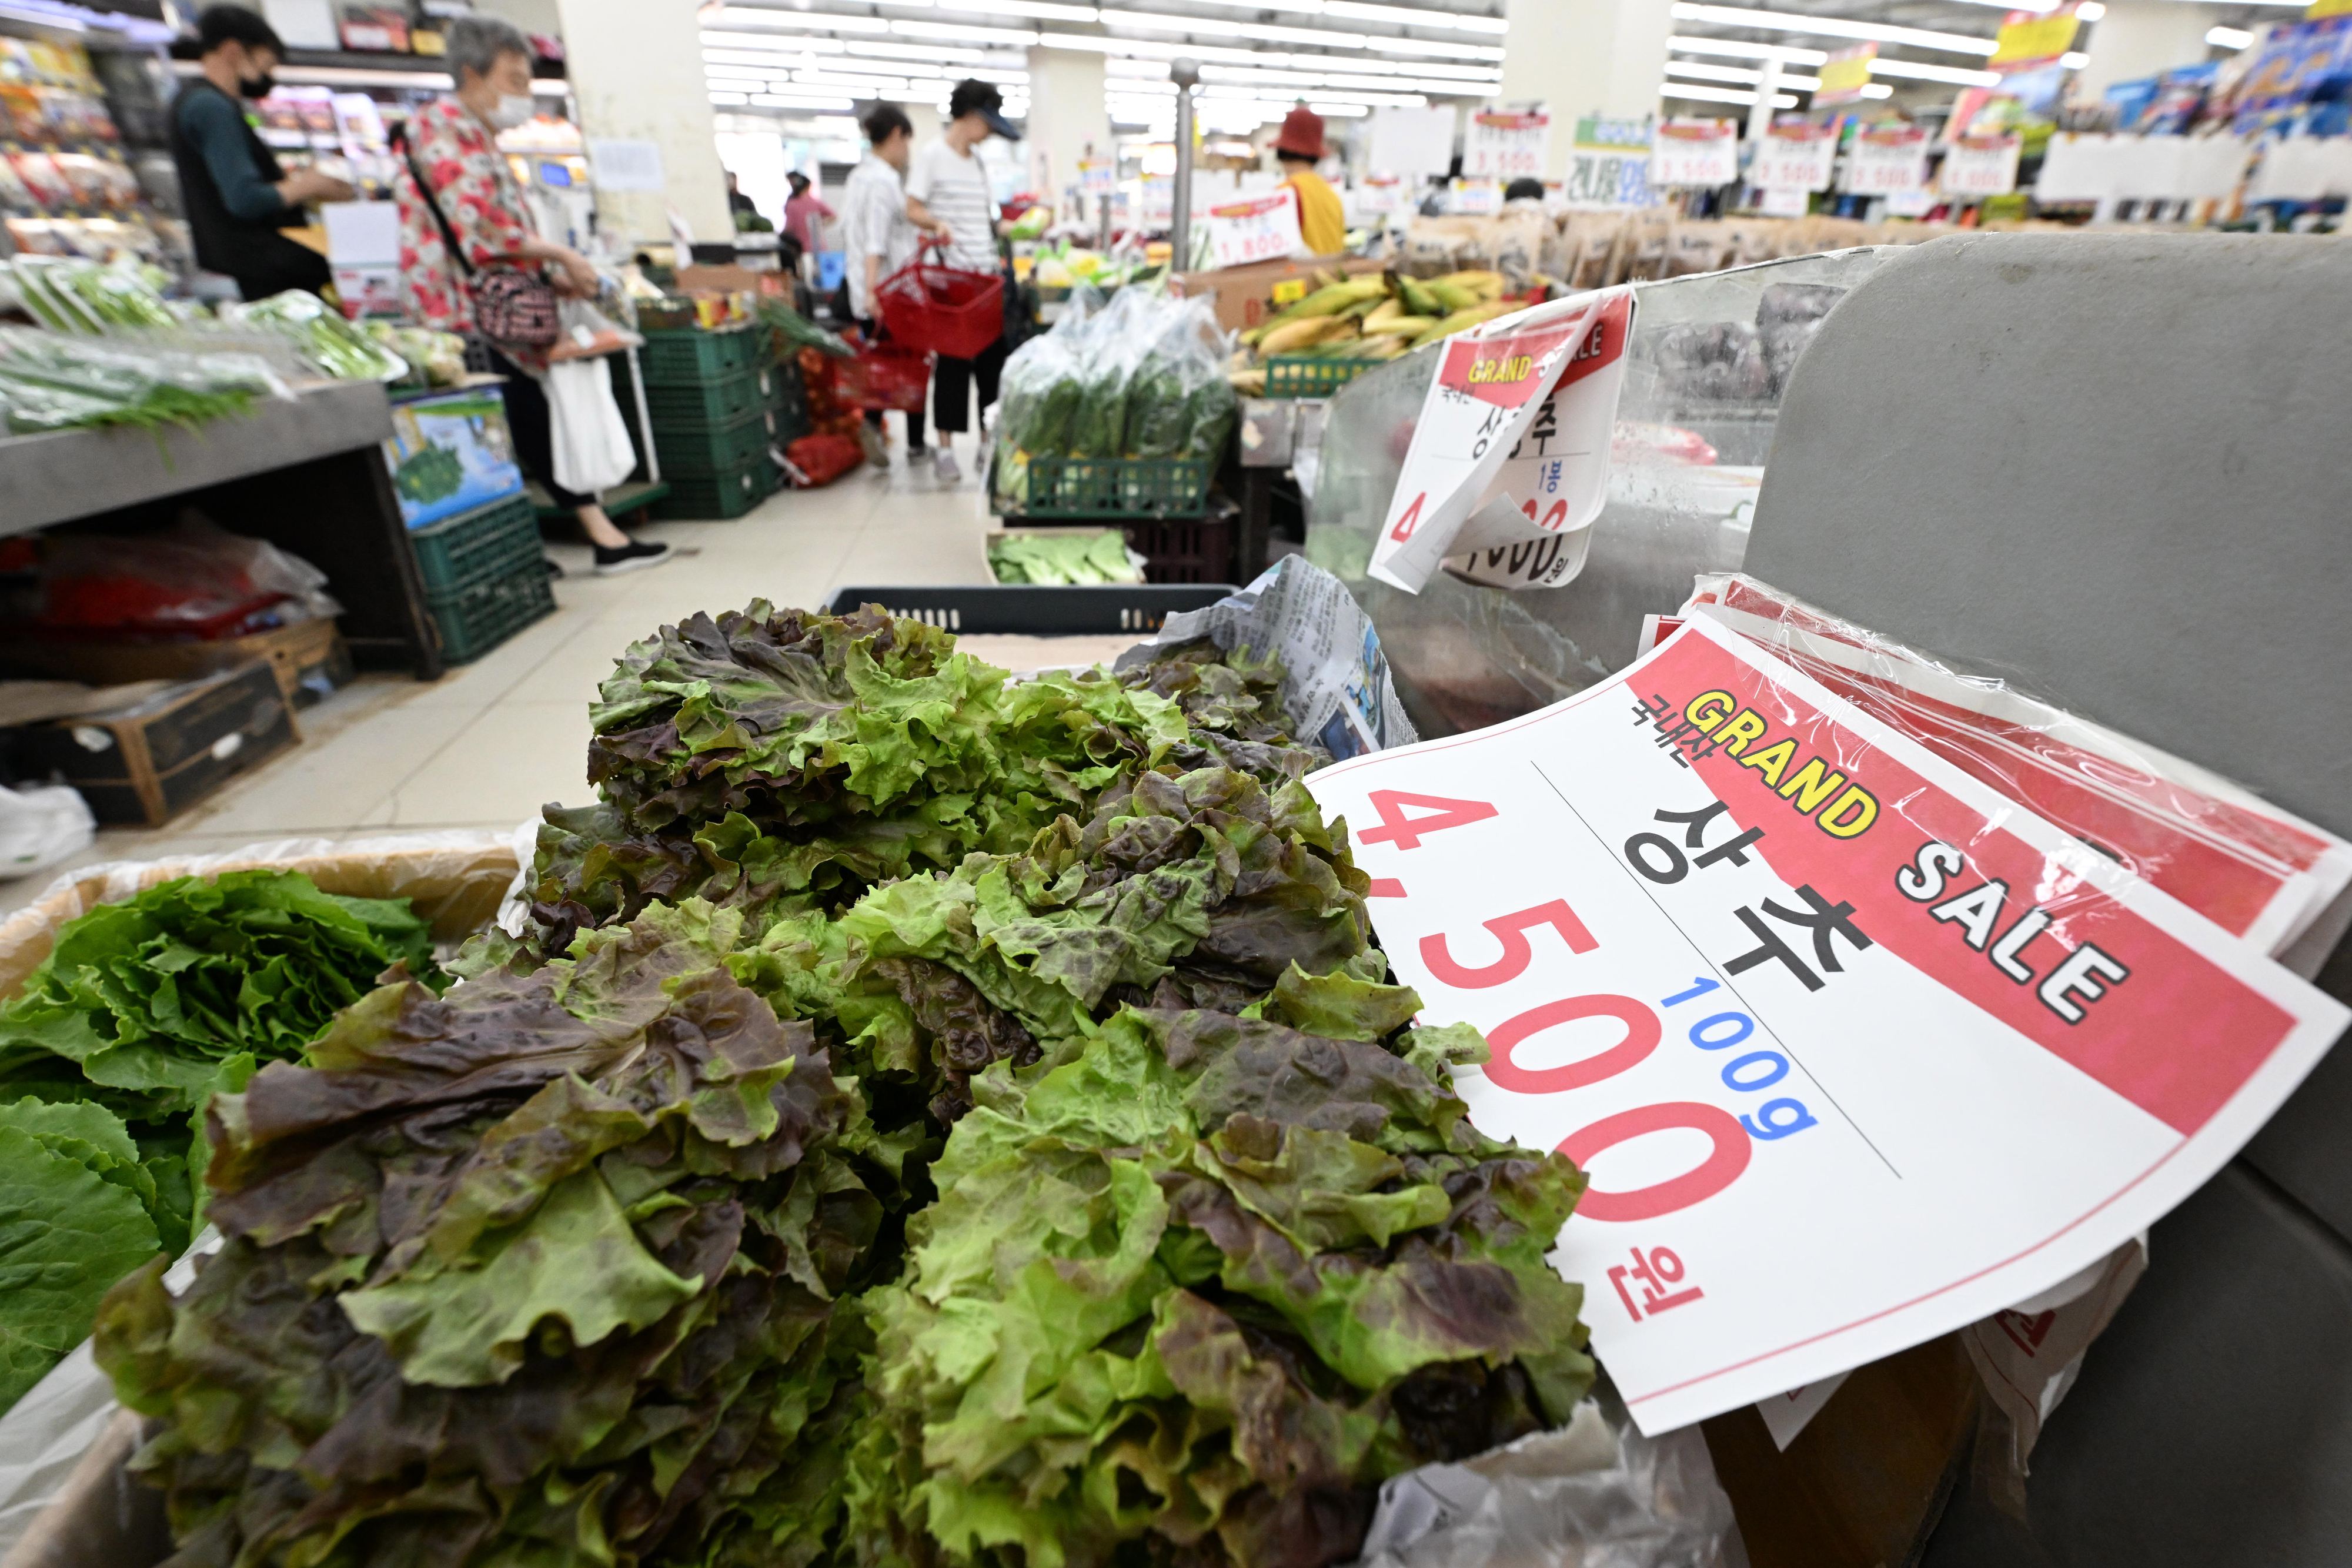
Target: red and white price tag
point(1264, 228)
point(1854, 1049)
point(1887, 159)
point(1696, 152)
point(1507, 147)
point(1795, 158)
point(1981, 166)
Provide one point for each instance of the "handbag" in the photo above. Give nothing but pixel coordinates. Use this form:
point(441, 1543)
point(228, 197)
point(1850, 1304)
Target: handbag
point(511, 307)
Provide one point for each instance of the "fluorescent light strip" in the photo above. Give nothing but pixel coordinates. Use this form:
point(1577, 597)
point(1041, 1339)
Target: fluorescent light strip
point(1160, 22)
point(1738, 49)
point(1033, 10)
point(1740, 74)
point(1412, 17)
point(1721, 95)
point(1830, 27)
point(1915, 71)
point(759, 18)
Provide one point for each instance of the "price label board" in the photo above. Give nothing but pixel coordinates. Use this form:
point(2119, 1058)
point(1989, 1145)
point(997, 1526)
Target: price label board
point(1507, 147)
point(1608, 166)
point(1887, 159)
point(1981, 166)
point(1854, 1049)
point(1264, 228)
point(1795, 158)
point(1696, 152)
point(2029, 38)
point(1844, 74)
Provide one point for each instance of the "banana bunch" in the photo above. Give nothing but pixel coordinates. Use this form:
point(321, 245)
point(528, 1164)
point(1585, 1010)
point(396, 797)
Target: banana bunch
point(1377, 316)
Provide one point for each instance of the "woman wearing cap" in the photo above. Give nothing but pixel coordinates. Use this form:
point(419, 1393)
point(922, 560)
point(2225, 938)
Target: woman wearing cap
point(947, 198)
point(1322, 222)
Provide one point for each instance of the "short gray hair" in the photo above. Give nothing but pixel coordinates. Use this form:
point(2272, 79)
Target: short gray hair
point(474, 44)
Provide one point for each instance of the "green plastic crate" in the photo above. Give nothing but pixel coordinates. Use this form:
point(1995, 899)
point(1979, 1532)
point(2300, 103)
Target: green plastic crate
point(1117, 487)
point(685, 358)
point(688, 455)
point(718, 497)
point(477, 619)
point(486, 545)
point(1302, 375)
point(710, 405)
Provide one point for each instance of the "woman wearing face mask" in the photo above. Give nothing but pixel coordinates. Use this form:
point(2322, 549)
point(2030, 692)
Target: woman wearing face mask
point(472, 197)
point(238, 196)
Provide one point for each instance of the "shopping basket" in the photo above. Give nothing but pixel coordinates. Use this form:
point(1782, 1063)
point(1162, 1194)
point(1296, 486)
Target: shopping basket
point(883, 375)
point(925, 306)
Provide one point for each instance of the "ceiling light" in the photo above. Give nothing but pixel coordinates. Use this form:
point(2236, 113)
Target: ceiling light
point(1738, 49)
point(1412, 17)
point(1918, 72)
point(760, 17)
point(1876, 90)
point(801, 100)
point(1151, 21)
point(1424, 46)
point(2073, 59)
point(2228, 37)
point(1712, 73)
point(1007, 38)
point(1037, 10)
point(2088, 11)
point(1830, 27)
point(1721, 95)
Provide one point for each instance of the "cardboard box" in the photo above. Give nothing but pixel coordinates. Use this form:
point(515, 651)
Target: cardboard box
point(151, 761)
point(1243, 296)
point(450, 451)
point(310, 658)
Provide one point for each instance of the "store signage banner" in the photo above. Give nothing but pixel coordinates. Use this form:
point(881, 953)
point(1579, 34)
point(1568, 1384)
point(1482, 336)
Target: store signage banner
point(1509, 460)
point(1608, 166)
point(1263, 228)
point(1696, 152)
point(1844, 74)
point(1508, 146)
point(1884, 159)
point(2031, 38)
point(1795, 158)
point(1854, 1050)
point(1981, 166)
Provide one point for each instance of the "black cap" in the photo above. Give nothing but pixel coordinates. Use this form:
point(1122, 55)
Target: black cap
point(975, 96)
point(234, 24)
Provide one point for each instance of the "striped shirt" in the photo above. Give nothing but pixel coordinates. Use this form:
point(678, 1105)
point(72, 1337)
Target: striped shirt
point(953, 187)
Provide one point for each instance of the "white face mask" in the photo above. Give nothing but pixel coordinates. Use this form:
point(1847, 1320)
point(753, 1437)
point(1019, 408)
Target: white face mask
point(513, 109)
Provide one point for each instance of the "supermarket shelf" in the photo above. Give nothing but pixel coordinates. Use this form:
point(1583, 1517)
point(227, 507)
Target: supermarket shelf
point(74, 474)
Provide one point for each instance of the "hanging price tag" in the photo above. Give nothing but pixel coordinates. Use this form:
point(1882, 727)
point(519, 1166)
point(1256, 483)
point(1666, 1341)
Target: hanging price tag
point(1844, 74)
point(1887, 159)
point(1696, 152)
point(1795, 158)
point(1608, 166)
point(1264, 228)
point(1507, 147)
point(1854, 1049)
point(1981, 166)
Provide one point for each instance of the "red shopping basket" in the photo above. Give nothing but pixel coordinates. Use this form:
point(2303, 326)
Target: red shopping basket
point(958, 314)
point(883, 375)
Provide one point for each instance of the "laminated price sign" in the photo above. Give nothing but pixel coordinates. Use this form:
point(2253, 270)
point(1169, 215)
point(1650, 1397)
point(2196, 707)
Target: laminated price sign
point(1981, 166)
point(1509, 460)
point(1844, 74)
point(1696, 152)
point(1886, 159)
point(1264, 228)
point(1507, 147)
point(1608, 166)
point(1854, 1049)
point(1795, 158)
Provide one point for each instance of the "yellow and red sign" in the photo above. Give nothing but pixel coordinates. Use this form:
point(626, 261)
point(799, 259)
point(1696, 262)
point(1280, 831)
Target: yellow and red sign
point(2029, 38)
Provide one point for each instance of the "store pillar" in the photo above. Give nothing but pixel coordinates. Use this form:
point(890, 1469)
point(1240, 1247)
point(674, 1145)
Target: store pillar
point(1068, 121)
point(1585, 56)
point(636, 75)
point(2138, 38)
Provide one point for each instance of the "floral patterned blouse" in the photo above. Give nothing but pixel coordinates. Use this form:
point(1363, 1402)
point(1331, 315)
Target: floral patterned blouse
point(477, 195)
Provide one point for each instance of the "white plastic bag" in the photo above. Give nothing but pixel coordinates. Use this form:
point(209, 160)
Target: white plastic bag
point(41, 826)
point(593, 451)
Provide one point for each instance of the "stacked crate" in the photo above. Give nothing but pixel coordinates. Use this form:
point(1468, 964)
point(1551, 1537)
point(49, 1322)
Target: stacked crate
point(485, 576)
point(710, 404)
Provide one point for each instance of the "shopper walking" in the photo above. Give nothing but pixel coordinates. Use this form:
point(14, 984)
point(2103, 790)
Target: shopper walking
point(458, 196)
point(238, 196)
point(947, 198)
point(805, 214)
point(879, 237)
point(1298, 147)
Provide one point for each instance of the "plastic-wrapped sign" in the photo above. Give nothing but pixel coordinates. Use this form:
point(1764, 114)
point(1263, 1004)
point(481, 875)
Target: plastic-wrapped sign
point(1885, 159)
point(1608, 166)
point(1507, 146)
point(1854, 1050)
point(1981, 166)
point(1509, 460)
point(1795, 158)
point(1696, 152)
point(1263, 228)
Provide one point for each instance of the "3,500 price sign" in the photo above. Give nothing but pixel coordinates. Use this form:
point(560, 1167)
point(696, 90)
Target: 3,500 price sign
point(1854, 1051)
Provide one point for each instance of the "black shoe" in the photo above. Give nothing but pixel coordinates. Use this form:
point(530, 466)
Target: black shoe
point(635, 556)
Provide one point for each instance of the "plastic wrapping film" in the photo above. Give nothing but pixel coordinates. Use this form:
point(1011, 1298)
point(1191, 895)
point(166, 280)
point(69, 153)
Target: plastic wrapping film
point(2259, 872)
point(1710, 358)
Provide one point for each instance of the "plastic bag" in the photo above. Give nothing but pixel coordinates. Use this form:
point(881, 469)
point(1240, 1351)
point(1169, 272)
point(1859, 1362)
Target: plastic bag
point(820, 459)
point(1178, 402)
point(593, 450)
point(192, 581)
point(40, 826)
point(1575, 1498)
point(1037, 399)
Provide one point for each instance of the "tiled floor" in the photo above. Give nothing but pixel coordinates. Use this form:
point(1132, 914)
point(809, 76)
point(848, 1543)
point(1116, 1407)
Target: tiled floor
point(489, 743)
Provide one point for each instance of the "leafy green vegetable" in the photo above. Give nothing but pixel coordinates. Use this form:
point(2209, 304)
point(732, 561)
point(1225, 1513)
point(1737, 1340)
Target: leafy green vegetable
point(321, 335)
point(67, 1233)
point(1063, 556)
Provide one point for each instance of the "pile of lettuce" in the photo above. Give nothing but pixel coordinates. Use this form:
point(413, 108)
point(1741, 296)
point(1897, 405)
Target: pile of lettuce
point(1063, 557)
point(928, 1119)
point(141, 1011)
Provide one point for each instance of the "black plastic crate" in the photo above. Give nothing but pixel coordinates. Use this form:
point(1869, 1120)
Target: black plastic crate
point(717, 497)
point(1185, 549)
point(1033, 611)
point(486, 545)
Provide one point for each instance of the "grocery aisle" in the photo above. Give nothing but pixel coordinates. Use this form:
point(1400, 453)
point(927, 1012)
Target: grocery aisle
point(492, 742)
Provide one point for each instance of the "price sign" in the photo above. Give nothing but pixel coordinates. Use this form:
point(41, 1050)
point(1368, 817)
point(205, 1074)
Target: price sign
point(1844, 74)
point(1854, 1049)
point(1784, 203)
point(1473, 198)
point(1887, 159)
point(1384, 194)
point(1696, 152)
point(1795, 158)
point(2029, 38)
point(1097, 176)
point(1609, 165)
point(1264, 228)
point(1981, 166)
point(1507, 147)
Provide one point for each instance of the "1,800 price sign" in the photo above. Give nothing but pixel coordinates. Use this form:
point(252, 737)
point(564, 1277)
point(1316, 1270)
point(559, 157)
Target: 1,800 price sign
point(1852, 1050)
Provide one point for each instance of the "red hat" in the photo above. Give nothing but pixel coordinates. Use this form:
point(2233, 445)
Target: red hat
point(1302, 133)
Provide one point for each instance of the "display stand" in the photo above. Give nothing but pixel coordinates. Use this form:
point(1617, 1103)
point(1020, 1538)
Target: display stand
point(2112, 469)
point(307, 475)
